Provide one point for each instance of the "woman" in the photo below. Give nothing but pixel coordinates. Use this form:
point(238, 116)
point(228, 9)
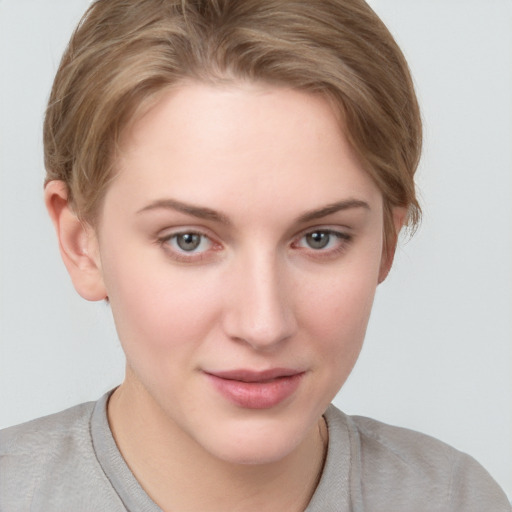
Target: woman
point(232, 177)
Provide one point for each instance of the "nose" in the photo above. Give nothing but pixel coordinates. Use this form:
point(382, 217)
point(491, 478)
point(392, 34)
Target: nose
point(260, 310)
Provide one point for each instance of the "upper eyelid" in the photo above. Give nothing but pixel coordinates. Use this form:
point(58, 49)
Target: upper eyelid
point(341, 230)
point(344, 237)
point(170, 232)
point(167, 235)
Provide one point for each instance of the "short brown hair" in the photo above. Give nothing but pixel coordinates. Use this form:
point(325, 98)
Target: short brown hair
point(125, 52)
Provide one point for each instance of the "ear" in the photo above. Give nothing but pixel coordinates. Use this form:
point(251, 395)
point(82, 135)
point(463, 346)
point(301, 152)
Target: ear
point(77, 242)
point(399, 215)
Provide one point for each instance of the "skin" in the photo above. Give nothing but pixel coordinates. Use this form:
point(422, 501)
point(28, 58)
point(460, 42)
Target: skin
point(241, 168)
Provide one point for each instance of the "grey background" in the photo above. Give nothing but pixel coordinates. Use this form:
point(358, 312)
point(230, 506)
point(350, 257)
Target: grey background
point(438, 355)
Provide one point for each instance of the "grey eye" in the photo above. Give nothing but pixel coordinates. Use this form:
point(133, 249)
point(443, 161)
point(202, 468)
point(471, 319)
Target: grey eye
point(318, 239)
point(188, 241)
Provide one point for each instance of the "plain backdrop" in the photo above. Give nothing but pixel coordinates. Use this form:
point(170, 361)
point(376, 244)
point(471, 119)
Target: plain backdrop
point(438, 354)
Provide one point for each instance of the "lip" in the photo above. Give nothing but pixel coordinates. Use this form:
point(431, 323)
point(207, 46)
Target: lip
point(256, 389)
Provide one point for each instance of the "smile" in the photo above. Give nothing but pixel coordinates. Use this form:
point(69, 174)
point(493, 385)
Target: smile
point(256, 390)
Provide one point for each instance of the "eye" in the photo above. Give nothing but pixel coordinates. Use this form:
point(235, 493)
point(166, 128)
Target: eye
point(322, 239)
point(323, 243)
point(189, 242)
point(318, 239)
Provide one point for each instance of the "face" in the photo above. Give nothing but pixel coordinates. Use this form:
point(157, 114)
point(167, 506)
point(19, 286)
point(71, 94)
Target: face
point(240, 246)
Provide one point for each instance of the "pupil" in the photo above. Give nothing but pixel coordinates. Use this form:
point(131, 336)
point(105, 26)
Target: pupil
point(317, 240)
point(188, 241)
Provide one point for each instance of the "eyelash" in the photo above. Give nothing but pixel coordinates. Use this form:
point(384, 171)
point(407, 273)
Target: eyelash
point(342, 239)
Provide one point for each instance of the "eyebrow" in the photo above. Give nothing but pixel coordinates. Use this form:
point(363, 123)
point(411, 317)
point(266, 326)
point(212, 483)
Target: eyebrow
point(196, 211)
point(210, 214)
point(333, 208)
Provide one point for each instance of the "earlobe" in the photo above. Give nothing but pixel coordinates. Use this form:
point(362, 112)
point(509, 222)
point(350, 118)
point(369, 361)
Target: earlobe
point(399, 215)
point(77, 243)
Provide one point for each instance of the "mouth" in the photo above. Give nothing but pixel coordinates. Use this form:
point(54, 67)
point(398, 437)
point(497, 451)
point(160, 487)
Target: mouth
point(251, 376)
point(256, 389)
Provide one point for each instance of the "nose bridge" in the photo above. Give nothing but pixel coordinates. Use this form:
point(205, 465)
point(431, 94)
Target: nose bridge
point(261, 310)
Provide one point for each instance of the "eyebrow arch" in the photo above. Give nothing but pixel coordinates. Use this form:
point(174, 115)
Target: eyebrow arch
point(333, 208)
point(188, 209)
point(210, 214)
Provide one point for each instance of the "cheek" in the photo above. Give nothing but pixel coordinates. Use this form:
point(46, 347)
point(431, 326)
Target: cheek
point(157, 310)
point(338, 317)
point(341, 328)
point(342, 319)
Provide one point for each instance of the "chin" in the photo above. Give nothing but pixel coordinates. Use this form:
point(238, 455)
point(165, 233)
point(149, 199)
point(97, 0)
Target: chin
point(261, 454)
point(257, 442)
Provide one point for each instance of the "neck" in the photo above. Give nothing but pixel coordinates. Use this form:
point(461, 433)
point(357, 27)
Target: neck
point(179, 474)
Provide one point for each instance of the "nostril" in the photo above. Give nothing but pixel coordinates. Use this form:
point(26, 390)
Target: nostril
point(260, 327)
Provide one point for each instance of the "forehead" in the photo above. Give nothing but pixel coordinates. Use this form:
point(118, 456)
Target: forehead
point(255, 141)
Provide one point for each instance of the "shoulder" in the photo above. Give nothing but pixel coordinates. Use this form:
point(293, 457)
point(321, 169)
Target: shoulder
point(42, 436)
point(401, 468)
point(46, 461)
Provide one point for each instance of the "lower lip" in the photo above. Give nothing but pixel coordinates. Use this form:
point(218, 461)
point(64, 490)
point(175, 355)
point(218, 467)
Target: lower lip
point(257, 395)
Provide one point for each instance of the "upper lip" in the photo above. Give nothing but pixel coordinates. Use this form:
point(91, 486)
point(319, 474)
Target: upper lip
point(245, 375)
